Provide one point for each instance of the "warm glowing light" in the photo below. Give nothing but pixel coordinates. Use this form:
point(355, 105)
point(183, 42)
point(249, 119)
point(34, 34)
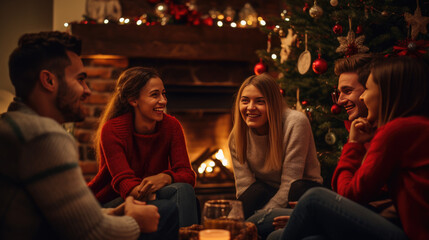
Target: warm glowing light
point(121, 20)
point(139, 22)
point(106, 21)
point(287, 19)
point(260, 19)
point(273, 56)
point(277, 26)
point(233, 24)
point(243, 22)
point(262, 22)
point(127, 20)
point(66, 24)
point(160, 7)
point(203, 165)
point(224, 162)
point(219, 23)
point(219, 155)
point(212, 164)
point(249, 22)
point(209, 169)
point(201, 170)
point(220, 17)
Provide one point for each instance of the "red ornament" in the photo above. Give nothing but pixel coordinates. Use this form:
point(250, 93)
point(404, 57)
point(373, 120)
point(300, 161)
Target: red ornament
point(306, 7)
point(260, 68)
point(208, 21)
point(319, 65)
point(338, 29)
point(304, 102)
point(335, 109)
point(359, 29)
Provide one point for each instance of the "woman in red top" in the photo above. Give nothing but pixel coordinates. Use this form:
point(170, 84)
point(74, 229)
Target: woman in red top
point(397, 98)
point(141, 150)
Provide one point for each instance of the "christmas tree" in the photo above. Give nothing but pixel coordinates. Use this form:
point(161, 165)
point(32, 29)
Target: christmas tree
point(313, 34)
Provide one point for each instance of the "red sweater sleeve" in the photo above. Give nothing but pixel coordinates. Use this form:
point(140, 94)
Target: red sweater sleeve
point(181, 170)
point(113, 149)
point(362, 181)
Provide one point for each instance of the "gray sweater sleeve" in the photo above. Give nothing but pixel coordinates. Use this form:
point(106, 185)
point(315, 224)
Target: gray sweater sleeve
point(61, 193)
point(244, 177)
point(299, 151)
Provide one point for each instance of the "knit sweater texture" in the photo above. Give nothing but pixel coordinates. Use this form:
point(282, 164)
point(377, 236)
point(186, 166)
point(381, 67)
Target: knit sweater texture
point(299, 159)
point(43, 192)
point(128, 157)
point(398, 157)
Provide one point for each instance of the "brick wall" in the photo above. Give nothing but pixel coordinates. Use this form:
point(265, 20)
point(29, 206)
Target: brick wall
point(102, 75)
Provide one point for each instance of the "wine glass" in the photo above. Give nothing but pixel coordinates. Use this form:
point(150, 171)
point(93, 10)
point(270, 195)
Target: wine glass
point(224, 214)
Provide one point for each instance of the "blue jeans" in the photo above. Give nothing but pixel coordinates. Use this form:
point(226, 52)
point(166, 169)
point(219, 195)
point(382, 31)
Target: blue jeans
point(263, 219)
point(183, 195)
point(323, 214)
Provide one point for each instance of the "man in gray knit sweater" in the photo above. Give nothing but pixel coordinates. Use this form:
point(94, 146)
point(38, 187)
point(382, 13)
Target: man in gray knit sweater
point(43, 193)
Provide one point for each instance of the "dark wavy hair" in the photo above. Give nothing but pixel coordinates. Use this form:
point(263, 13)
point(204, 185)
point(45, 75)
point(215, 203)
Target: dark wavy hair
point(37, 52)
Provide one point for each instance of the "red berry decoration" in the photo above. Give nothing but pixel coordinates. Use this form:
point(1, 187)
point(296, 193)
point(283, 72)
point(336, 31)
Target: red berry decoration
point(335, 109)
point(260, 68)
point(338, 29)
point(359, 29)
point(319, 65)
point(306, 7)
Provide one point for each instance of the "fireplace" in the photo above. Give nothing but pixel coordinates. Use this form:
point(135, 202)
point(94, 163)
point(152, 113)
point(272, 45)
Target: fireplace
point(201, 73)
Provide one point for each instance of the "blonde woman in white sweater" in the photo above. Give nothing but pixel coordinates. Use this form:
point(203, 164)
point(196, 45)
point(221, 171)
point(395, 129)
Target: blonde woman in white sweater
point(271, 147)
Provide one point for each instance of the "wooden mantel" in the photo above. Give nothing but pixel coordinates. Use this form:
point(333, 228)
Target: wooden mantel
point(171, 41)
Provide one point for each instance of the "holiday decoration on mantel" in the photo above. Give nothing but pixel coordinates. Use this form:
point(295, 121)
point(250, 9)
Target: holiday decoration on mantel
point(417, 22)
point(167, 12)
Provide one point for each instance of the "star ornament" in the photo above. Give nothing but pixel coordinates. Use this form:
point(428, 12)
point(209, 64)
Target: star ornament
point(351, 45)
point(418, 22)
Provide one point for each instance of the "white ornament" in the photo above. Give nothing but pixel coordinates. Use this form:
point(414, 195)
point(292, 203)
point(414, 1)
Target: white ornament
point(304, 60)
point(286, 45)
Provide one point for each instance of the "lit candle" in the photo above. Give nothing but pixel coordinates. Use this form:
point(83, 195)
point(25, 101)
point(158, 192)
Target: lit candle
point(214, 234)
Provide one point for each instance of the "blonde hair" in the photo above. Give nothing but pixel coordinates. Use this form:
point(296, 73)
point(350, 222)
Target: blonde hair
point(270, 90)
point(128, 86)
point(404, 87)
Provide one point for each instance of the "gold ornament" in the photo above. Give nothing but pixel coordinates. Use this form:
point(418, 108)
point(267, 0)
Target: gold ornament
point(417, 21)
point(315, 11)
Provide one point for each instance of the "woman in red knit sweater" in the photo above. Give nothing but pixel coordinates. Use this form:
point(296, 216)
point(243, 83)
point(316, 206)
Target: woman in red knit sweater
point(397, 98)
point(141, 150)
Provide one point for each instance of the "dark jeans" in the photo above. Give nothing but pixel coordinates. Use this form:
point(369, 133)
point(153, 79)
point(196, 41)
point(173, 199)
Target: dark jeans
point(168, 226)
point(255, 197)
point(323, 214)
point(182, 194)
point(258, 194)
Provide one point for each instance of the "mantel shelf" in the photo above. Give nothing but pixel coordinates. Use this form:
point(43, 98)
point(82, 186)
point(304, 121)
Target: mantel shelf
point(171, 41)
